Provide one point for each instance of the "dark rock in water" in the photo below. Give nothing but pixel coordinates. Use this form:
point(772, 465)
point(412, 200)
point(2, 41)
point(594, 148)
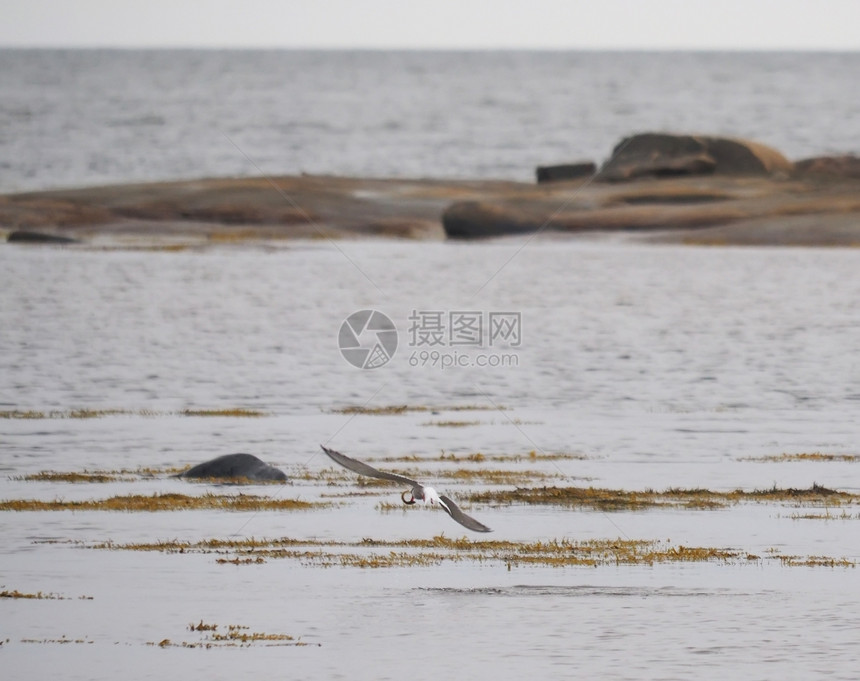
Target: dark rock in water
point(476, 220)
point(25, 236)
point(663, 155)
point(835, 166)
point(235, 467)
point(567, 171)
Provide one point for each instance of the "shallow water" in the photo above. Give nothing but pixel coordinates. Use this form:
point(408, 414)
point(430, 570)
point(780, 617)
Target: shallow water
point(660, 366)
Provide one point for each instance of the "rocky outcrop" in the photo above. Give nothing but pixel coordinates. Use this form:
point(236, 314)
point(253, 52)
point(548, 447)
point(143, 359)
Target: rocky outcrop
point(664, 155)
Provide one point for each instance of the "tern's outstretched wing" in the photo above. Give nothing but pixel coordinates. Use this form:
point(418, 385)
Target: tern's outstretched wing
point(466, 521)
point(370, 471)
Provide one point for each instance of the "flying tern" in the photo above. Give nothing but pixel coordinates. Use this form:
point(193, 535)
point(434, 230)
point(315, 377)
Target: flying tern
point(418, 492)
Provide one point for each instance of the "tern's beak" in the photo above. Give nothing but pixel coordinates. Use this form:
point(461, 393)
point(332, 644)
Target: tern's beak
point(410, 500)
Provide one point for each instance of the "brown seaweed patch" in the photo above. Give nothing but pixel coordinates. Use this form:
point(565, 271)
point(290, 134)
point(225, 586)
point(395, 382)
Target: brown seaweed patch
point(231, 636)
point(816, 494)
point(451, 423)
point(404, 408)
point(495, 476)
point(589, 497)
point(481, 457)
point(386, 410)
point(490, 476)
point(237, 412)
point(613, 500)
point(816, 561)
point(487, 476)
point(100, 476)
point(233, 412)
point(805, 456)
point(93, 413)
point(239, 634)
point(18, 414)
point(71, 476)
point(374, 553)
point(165, 502)
point(533, 455)
point(62, 639)
point(827, 515)
point(39, 595)
point(71, 414)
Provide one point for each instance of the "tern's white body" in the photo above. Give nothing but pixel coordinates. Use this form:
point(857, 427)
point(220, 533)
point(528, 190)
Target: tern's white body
point(431, 497)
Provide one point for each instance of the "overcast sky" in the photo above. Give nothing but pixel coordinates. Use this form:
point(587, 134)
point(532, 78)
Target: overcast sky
point(553, 24)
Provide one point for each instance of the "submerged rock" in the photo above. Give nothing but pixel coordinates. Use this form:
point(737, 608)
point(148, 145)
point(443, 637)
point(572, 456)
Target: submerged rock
point(662, 155)
point(235, 467)
point(477, 219)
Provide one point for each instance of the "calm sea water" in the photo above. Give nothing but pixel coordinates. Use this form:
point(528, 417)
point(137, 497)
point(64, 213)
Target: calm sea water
point(661, 366)
point(76, 118)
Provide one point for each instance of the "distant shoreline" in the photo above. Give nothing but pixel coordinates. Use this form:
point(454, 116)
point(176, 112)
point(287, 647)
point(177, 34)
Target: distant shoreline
point(816, 210)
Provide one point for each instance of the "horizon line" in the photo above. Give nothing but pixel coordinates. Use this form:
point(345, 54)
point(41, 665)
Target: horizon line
point(430, 48)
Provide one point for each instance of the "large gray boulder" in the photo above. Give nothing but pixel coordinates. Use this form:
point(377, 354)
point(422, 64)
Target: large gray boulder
point(665, 155)
point(235, 468)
